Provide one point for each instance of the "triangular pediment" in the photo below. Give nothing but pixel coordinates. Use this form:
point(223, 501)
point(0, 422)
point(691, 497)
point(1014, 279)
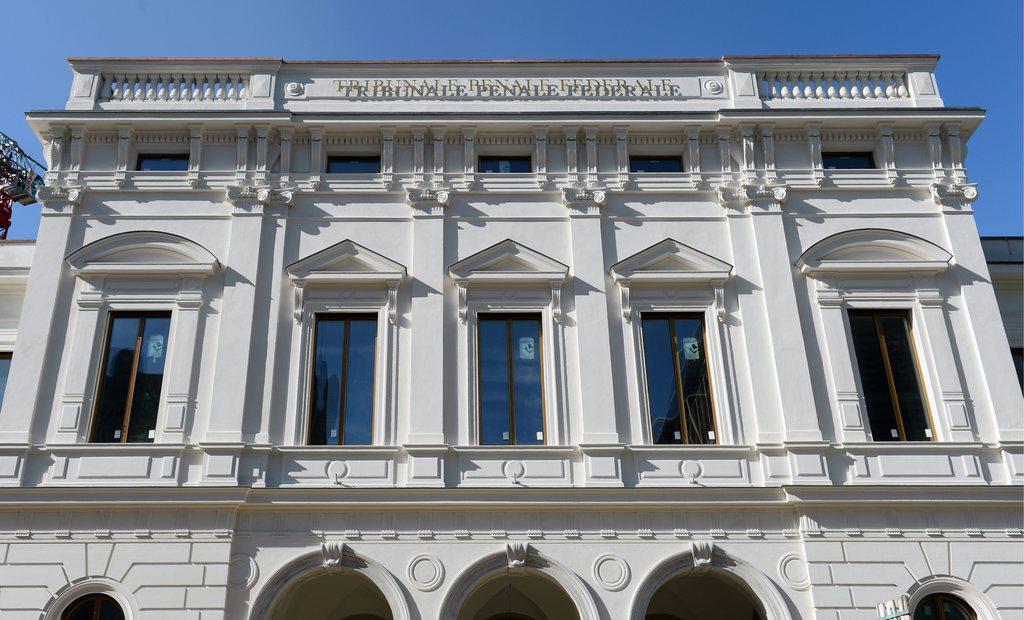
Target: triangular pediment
point(142, 252)
point(671, 261)
point(873, 251)
point(507, 261)
point(346, 261)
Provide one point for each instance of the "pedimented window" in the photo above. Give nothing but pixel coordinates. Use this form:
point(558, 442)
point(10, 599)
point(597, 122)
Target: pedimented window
point(873, 251)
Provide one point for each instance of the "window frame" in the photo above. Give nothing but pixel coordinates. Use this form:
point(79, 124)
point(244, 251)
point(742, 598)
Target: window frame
point(672, 316)
point(674, 156)
point(482, 156)
point(945, 596)
point(508, 316)
point(177, 156)
point(100, 379)
point(847, 153)
point(90, 597)
point(374, 419)
point(356, 155)
point(907, 315)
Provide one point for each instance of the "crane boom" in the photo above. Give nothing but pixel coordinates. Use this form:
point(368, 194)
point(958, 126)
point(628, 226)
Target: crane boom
point(20, 177)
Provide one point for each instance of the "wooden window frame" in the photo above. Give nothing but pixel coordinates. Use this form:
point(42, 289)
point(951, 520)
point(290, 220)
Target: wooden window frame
point(672, 316)
point(508, 317)
point(938, 597)
point(907, 316)
point(102, 378)
point(347, 317)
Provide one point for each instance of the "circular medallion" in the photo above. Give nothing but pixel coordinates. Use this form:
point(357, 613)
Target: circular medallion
point(294, 89)
point(793, 570)
point(337, 470)
point(514, 470)
point(242, 572)
point(691, 469)
point(714, 87)
point(426, 572)
point(611, 572)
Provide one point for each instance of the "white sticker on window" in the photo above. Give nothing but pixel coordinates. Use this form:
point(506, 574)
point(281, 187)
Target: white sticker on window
point(540, 435)
point(334, 432)
point(691, 349)
point(711, 435)
point(928, 433)
point(527, 348)
point(504, 166)
point(152, 434)
point(117, 434)
point(895, 433)
point(677, 435)
point(155, 346)
point(504, 435)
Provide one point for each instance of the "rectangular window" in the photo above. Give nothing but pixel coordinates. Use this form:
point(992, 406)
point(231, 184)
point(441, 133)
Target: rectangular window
point(162, 163)
point(504, 165)
point(655, 164)
point(678, 387)
point(348, 164)
point(128, 396)
point(888, 375)
point(511, 380)
point(341, 403)
point(848, 161)
point(5, 371)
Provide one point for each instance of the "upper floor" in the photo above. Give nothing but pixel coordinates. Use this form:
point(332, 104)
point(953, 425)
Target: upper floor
point(740, 273)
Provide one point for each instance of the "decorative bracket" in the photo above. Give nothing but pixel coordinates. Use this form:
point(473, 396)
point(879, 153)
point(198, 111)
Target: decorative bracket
point(947, 194)
point(299, 292)
point(703, 552)
point(627, 310)
point(556, 302)
point(720, 301)
point(392, 307)
point(516, 553)
point(463, 301)
point(332, 553)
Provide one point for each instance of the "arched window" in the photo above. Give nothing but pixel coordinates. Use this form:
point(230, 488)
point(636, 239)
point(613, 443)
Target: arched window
point(93, 607)
point(943, 607)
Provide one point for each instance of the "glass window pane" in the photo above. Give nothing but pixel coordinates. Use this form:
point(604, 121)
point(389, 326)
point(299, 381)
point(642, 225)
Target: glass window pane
point(700, 426)
point(926, 610)
point(162, 163)
point(115, 382)
point(904, 374)
point(149, 377)
point(362, 344)
point(655, 164)
point(873, 379)
point(5, 371)
point(495, 406)
point(951, 610)
point(528, 389)
point(348, 164)
point(503, 165)
point(848, 161)
point(325, 406)
point(110, 610)
point(662, 395)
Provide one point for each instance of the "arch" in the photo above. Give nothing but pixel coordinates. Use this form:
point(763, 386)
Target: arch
point(873, 251)
point(570, 583)
point(712, 560)
point(317, 562)
point(143, 252)
point(947, 584)
point(55, 607)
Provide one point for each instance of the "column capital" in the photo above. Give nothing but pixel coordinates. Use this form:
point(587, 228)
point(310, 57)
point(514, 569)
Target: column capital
point(254, 199)
point(953, 194)
point(60, 199)
point(583, 200)
point(747, 194)
point(427, 200)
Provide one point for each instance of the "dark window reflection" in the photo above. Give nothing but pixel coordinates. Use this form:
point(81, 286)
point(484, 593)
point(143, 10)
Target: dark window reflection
point(341, 407)
point(1018, 362)
point(5, 371)
point(93, 607)
point(848, 161)
point(133, 370)
point(655, 164)
point(348, 164)
point(888, 376)
point(678, 387)
point(162, 163)
point(511, 380)
point(943, 607)
point(504, 165)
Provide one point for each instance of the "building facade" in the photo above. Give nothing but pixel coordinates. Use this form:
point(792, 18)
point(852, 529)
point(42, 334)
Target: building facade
point(481, 340)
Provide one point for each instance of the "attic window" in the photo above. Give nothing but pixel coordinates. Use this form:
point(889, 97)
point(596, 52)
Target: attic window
point(848, 161)
point(350, 164)
point(162, 163)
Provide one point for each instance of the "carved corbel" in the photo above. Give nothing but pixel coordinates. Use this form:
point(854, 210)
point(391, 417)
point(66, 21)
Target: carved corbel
point(392, 304)
point(814, 148)
point(885, 131)
point(719, 288)
point(627, 309)
point(556, 302)
point(952, 194)
point(299, 291)
point(463, 301)
point(333, 553)
point(703, 553)
point(515, 553)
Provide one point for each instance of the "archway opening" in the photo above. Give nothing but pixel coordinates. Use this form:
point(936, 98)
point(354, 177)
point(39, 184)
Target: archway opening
point(525, 595)
point(93, 607)
point(703, 597)
point(338, 594)
point(942, 606)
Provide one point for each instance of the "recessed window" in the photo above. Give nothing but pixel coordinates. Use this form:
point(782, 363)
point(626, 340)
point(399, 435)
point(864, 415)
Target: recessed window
point(5, 371)
point(888, 375)
point(643, 163)
point(511, 379)
point(943, 607)
point(848, 161)
point(162, 163)
point(341, 403)
point(678, 386)
point(131, 377)
point(93, 607)
point(351, 164)
point(503, 165)
point(1017, 353)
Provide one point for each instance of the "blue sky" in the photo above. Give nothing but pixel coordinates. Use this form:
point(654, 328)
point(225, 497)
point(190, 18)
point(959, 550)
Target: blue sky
point(980, 44)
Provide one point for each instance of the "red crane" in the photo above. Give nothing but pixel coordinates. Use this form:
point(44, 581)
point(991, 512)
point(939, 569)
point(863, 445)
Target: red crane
point(20, 177)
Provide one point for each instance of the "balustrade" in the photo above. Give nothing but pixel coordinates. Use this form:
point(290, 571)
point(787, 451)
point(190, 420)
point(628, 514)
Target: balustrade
point(834, 85)
point(174, 87)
